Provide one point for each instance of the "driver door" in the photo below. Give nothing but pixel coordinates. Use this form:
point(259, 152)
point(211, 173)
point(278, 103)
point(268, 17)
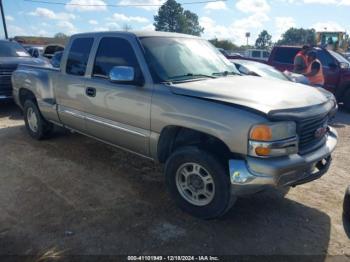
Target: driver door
point(118, 113)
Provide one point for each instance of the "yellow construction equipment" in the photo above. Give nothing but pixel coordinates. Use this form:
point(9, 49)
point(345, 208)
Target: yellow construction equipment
point(334, 40)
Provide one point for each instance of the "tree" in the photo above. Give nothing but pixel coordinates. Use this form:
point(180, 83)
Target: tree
point(127, 27)
point(173, 18)
point(298, 36)
point(264, 40)
point(60, 36)
point(224, 44)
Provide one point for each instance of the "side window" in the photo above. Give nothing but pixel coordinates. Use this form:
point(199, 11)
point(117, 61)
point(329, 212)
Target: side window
point(256, 54)
point(325, 58)
point(112, 52)
point(266, 54)
point(78, 56)
point(285, 55)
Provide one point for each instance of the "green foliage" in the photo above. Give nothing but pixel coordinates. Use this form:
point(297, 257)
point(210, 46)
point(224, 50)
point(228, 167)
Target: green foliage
point(298, 36)
point(224, 44)
point(264, 40)
point(173, 18)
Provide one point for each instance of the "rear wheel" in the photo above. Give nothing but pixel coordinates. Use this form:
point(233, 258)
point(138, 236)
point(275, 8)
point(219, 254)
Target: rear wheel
point(37, 127)
point(199, 183)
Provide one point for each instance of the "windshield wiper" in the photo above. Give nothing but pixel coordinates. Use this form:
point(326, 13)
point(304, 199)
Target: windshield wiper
point(225, 73)
point(191, 75)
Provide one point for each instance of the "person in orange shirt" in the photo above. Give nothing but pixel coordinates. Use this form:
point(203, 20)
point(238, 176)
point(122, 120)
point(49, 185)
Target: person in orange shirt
point(300, 60)
point(314, 71)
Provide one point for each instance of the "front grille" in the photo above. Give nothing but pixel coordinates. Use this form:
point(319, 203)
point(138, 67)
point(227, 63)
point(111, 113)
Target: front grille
point(307, 133)
point(5, 81)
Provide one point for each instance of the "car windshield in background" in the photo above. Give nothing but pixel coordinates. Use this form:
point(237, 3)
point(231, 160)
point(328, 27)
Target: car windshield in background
point(339, 57)
point(178, 59)
point(262, 69)
point(12, 49)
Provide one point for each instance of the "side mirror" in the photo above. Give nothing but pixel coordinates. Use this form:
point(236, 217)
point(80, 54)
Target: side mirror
point(122, 74)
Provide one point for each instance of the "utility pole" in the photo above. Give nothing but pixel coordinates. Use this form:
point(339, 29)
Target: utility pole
point(3, 20)
point(247, 35)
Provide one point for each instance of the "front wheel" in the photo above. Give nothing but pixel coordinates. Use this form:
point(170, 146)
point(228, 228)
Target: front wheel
point(346, 204)
point(37, 127)
point(199, 183)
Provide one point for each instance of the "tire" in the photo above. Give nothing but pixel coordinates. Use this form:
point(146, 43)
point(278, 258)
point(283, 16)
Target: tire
point(38, 128)
point(347, 100)
point(346, 204)
point(186, 190)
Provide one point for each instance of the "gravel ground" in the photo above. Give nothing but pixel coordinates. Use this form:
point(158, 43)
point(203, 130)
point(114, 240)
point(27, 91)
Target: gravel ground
point(74, 195)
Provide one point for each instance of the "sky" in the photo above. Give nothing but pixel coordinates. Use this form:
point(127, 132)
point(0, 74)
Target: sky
point(229, 19)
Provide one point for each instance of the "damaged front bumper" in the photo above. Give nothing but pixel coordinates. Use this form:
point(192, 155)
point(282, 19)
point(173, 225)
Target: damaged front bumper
point(254, 174)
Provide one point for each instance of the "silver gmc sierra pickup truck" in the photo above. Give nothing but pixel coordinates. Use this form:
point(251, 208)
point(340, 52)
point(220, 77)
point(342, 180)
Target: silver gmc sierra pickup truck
point(175, 99)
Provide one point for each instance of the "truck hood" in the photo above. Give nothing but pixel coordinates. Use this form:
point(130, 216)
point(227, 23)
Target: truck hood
point(257, 93)
point(9, 62)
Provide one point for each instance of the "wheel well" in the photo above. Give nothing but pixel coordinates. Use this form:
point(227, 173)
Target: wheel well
point(174, 137)
point(25, 94)
point(341, 91)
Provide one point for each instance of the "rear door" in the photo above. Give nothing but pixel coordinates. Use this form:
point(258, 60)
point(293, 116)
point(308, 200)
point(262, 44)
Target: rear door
point(119, 113)
point(70, 88)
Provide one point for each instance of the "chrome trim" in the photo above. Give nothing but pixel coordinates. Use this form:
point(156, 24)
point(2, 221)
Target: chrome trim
point(99, 120)
point(113, 124)
point(5, 97)
point(278, 148)
point(72, 112)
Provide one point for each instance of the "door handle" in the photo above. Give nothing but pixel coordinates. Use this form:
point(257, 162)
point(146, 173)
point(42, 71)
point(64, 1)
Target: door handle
point(90, 91)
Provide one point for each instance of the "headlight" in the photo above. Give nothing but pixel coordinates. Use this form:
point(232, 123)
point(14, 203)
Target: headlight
point(273, 139)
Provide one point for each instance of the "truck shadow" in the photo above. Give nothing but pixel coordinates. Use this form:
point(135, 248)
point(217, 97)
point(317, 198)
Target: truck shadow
point(10, 110)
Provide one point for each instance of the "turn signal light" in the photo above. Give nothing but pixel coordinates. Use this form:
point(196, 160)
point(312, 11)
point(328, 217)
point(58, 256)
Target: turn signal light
point(262, 151)
point(261, 133)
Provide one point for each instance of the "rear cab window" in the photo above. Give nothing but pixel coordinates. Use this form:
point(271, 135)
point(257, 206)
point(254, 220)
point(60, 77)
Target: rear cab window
point(285, 55)
point(78, 56)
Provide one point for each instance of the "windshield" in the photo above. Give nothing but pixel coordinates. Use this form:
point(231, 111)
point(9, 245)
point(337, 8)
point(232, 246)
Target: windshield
point(339, 57)
point(12, 49)
point(262, 69)
point(178, 59)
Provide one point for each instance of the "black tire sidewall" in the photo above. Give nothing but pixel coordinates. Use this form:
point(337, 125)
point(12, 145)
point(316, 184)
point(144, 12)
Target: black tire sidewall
point(222, 198)
point(41, 128)
point(347, 100)
point(346, 204)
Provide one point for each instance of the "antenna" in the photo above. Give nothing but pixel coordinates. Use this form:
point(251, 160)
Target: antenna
point(3, 20)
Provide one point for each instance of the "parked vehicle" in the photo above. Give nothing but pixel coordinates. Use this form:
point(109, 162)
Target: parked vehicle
point(173, 98)
point(50, 50)
point(56, 59)
point(257, 54)
point(12, 54)
point(335, 67)
point(248, 67)
point(35, 51)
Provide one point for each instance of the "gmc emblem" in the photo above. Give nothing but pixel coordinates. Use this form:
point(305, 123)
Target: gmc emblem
point(320, 132)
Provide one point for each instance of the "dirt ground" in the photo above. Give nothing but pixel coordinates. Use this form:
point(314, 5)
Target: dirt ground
point(74, 195)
